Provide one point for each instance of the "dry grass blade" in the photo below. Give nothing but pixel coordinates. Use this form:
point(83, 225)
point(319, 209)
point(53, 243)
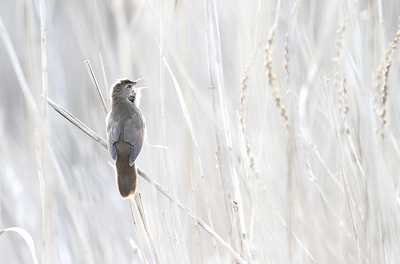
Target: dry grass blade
point(170, 239)
point(96, 86)
point(215, 65)
point(20, 74)
point(40, 172)
point(136, 249)
point(137, 230)
point(42, 196)
point(104, 74)
point(182, 103)
point(184, 253)
point(45, 79)
point(178, 246)
point(27, 237)
point(42, 166)
point(196, 226)
point(139, 204)
point(191, 84)
point(242, 247)
point(77, 123)
point(228, 212)
point(243, 149)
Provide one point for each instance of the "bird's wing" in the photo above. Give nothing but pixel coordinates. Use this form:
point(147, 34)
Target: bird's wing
point(113, 130)
point(134, 134)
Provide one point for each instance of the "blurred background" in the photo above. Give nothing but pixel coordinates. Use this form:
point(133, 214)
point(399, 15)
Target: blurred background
point(307, 172)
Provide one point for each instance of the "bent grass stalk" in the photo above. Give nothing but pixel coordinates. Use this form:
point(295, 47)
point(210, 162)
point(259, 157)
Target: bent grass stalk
point(27, 238)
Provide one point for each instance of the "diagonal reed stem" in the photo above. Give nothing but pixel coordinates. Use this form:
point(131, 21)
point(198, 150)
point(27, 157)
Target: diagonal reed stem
point(96, 86)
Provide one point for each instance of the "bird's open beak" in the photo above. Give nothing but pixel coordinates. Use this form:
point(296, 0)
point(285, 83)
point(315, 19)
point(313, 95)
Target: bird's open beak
point(140, 88)
point(138, 80)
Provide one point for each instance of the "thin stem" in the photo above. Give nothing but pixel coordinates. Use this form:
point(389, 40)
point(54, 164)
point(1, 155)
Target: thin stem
point(43, 134)
point(96, 86)
point(77, 123)
point(139, 204)
point(137, 231)
point(45, 79)
point(43, 197)
point(170, 238)
point(196, 226)
point(104, 74)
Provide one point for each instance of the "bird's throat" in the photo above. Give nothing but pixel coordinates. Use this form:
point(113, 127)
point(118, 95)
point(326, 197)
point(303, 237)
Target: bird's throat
point(120, 101)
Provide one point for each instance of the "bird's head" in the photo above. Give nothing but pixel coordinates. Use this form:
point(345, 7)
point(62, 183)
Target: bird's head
point(125, 89)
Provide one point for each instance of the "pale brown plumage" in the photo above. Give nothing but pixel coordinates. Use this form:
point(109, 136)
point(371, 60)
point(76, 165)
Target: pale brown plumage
point(125, 127)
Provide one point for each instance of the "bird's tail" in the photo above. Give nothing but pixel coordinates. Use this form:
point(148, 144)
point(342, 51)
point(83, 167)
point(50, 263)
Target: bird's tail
point(126, 179)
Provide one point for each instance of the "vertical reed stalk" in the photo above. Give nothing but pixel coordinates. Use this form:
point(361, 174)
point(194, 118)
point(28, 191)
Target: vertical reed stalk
point(137, 231)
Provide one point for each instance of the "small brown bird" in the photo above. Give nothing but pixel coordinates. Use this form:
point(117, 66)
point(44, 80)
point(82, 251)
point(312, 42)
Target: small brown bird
point(125, 127)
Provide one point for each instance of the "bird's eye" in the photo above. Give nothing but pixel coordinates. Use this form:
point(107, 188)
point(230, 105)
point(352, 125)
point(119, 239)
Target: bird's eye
point(129, 86)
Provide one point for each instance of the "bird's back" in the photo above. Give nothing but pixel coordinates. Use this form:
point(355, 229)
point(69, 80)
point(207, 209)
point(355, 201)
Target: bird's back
point(127, 114)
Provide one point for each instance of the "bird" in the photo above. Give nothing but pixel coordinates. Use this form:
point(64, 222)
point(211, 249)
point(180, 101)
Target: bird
point(125, 128)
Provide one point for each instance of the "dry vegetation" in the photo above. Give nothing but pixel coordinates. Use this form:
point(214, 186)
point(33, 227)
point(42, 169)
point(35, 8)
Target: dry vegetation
point(277, 125)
